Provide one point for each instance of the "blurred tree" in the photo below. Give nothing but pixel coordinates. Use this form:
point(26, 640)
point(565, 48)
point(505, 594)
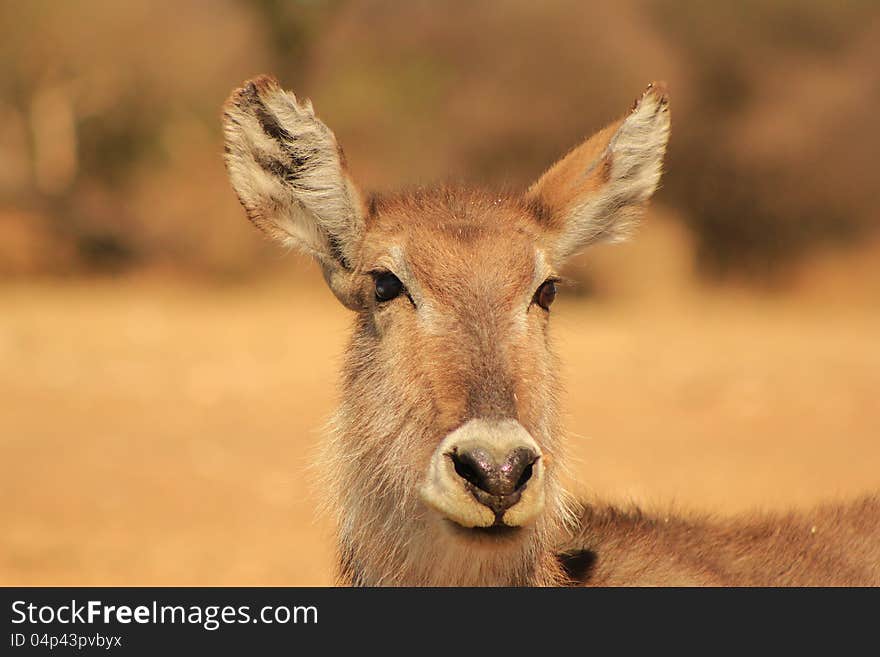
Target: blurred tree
point(292, 27)
point(749, 207)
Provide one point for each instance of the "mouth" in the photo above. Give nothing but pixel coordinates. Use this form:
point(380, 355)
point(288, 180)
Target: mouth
point(496, 532)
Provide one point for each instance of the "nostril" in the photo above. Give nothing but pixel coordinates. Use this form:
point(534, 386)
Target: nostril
point(477, 468)
point(466, 470)
point(525, 476)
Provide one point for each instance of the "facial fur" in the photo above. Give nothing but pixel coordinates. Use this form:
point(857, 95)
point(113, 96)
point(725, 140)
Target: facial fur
point(467, 342)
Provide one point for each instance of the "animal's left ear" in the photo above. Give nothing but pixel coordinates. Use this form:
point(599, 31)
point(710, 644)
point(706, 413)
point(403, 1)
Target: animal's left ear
point(598, 191)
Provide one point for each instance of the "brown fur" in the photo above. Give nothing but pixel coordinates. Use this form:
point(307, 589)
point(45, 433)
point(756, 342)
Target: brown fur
point(467, 343)
point(406, 385)
point(831, 545)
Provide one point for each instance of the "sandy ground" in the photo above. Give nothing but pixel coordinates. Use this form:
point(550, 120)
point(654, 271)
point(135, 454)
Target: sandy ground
point(160, 434)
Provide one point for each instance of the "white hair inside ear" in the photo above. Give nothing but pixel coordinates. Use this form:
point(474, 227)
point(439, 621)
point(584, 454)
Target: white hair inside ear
point(289, 173)
point(598, 191)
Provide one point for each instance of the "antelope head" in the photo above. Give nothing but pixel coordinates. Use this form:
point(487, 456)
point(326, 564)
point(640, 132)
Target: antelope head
point(443, 464)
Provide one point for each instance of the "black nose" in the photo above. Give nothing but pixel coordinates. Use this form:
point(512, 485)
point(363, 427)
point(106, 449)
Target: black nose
point(497, 485)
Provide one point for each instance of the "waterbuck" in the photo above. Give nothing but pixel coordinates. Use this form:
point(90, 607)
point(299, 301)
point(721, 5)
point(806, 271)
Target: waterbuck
point(442, 466)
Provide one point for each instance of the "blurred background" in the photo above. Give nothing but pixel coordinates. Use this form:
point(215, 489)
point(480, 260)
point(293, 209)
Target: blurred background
point(165, 371)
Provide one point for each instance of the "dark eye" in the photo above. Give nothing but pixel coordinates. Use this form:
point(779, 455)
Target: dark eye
point(546, 294)
point(388, 286)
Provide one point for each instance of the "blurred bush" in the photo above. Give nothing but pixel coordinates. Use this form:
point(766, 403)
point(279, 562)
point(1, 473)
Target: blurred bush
point(109, 115)
point(771, 158)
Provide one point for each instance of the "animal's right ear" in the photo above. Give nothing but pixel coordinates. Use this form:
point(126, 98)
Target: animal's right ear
point(290, 176)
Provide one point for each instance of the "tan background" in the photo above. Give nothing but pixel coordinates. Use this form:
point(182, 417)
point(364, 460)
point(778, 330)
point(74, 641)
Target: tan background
point(164, 373)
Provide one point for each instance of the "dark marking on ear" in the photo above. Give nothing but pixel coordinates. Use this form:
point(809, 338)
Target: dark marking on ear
point(336, 251)
point(270, 124)
point(275, 167)
point(246, 96)
point(299, 160)
point(248, 99)
point(579, 566)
